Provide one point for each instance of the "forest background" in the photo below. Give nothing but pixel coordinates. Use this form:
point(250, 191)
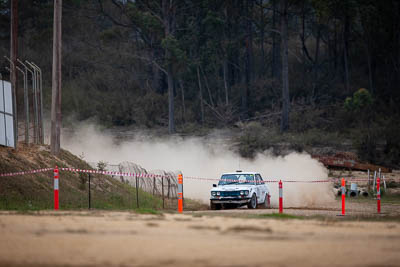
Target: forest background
point(300, 74)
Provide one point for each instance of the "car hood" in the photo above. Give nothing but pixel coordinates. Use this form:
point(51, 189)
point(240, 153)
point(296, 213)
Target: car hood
point(232, 188)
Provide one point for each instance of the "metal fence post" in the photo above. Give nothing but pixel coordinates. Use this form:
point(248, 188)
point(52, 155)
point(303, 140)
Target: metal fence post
point(24, 74)
point(90, 206)
point(137, 191)
point(40, 99)
point(35, 102)
point(162, 191)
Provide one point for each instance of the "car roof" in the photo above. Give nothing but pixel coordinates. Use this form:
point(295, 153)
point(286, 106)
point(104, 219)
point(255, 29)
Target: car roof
point(240, 172)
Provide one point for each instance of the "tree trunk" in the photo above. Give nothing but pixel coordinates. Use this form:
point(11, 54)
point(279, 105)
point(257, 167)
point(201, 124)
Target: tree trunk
point(249, 59)
point(208, 87)
point(367, 46)
point(156, 73)
point(285, 67)
point(345, 54)
point(316, 64)
point(226, 86)
point(262, 36)
point(201, 95)
point(304, 50)
point(227, 36)
point(276, 45)
point(371, 85)
point(171, 120)
point(183, 101)
point(335, 52)
point(56, 80)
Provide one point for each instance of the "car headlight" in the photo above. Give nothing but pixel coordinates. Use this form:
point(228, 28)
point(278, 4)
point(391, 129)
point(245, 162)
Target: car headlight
point(246, 192)
point(213, 193)
point(241, 193)
point(218, 193)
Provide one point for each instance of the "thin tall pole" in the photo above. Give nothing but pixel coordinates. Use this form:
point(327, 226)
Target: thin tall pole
point(56, 80)
point(35, 99)
point(373, 185)
point(90, 206)
point(162, 191)
point(384, 182)
point(13, 64)
point(26, 112)
point(35, 103)
point(33, 92)
point(14, 100)
point(4, 104)
point(26, 101)
point(137, 192)
point(39, 101)
point(40, 84)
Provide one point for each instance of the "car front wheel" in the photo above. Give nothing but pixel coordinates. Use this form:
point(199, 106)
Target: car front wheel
point(253, 202)
point(214, 206)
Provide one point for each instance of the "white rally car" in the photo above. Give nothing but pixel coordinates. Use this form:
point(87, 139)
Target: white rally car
point(240, 189)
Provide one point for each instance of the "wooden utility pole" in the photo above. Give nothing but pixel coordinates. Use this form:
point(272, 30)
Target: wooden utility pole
point(13, 64)
point(168, 13)
point(285, 66)
point(249, 60)
point(56, 80)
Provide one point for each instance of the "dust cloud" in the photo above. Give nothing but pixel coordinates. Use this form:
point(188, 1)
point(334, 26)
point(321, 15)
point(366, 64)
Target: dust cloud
point(205, 158)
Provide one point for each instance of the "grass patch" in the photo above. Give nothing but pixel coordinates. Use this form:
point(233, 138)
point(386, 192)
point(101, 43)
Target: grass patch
point(385, 199)
point(391, 198)
point(374, 218)
point(283, 216)
point(33, 192)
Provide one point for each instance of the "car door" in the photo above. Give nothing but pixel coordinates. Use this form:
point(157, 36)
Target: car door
point(261, 188)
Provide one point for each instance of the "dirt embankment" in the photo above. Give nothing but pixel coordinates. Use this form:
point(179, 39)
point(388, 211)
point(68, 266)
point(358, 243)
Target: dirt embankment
point(35, 191)
point(128, 239)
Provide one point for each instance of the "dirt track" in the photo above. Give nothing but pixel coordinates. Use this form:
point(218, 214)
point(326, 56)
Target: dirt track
point(123, 239)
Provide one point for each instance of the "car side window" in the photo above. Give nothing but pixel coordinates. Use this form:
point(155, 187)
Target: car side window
point(259, 179)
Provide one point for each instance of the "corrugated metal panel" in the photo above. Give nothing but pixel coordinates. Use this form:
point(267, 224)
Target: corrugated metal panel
point(336, 162)
point(6, 115)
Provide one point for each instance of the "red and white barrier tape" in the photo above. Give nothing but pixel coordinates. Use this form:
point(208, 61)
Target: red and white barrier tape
point(25, 172)
point(139, 175)
point(265, 182)
point(150, 175)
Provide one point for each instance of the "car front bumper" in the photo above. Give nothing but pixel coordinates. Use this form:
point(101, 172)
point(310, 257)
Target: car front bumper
point(230, 200)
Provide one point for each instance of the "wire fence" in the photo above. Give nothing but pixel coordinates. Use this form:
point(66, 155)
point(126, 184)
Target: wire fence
point(122, 186)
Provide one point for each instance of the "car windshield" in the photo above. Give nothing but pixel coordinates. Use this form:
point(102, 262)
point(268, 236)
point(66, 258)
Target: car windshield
point(239, 178)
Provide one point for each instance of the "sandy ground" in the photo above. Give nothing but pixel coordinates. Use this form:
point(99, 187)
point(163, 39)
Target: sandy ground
point(362, 208)
point(102, 238)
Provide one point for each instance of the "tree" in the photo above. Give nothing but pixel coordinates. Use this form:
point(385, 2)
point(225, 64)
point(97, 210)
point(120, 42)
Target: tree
point(138, 53)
